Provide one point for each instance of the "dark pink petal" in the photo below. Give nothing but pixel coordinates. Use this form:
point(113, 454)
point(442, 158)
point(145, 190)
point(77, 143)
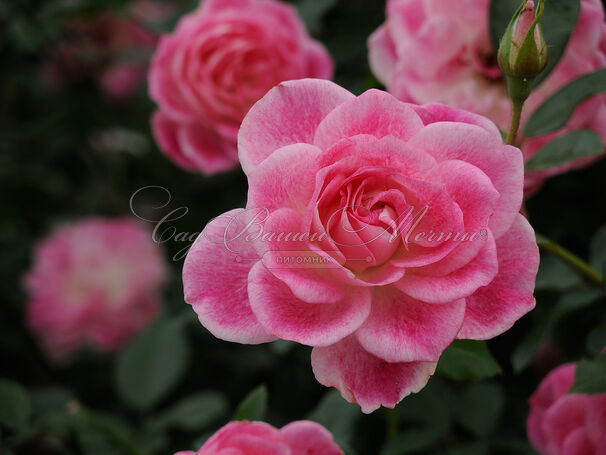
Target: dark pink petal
point(493, 309)
point(565, 416)
point(289, 113)
point(165, 132)
point(309, 438)
point(402, 329)
point(215, 280)
point(375, 112)
point(365, 379)
point(595, 421)
point(578, 443)
point(206, 149)
point(313, 324)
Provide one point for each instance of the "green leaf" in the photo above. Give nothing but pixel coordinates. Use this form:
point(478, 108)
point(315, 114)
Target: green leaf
point(254, 406)
point(312, 12)
point(558, 21)
point(567, 304)
point(598, 251)
point(596, 340)
point(338, 416)
point(566, 148)
point(15, 405)
point(470, 448)
point(555, 275)
point(555, 112)
point(194, 412)
point(151, 365)
point(413, 440)
point(468, 360)
point(479, 408)
point(590, 377)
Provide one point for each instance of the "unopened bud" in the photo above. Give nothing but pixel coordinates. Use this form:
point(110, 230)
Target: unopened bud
point(523, 51)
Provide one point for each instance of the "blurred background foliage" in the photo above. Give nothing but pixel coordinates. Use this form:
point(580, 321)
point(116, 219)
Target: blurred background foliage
point(70, 153)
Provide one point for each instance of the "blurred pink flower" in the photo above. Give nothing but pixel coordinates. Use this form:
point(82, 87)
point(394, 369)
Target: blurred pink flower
point(566, 424)
point(440, 51)
point(220, 60)
point(255, 438)
point(94, 282)
point(110, 47)
point(375, 231)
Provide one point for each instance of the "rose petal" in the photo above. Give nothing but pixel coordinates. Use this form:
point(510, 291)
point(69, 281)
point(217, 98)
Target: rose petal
point(215, 279)
point(289, 113)
point(493, 309)
point(461, 283)
point(374, 112)
point(309, 438)
point(296, 168)
point(313, 324)
point(365, 379)
point(402, 329)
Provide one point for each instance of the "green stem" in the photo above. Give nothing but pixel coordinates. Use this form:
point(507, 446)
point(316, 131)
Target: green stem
point(573, 260)
point(516, 114)
point(392, 424)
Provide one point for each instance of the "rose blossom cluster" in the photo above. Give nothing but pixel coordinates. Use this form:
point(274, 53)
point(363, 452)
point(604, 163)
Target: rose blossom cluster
point(220, 60)
point(566, 424)
point(440, 51)
point(254, 438)
point(113, 48)
point(375, 231)
point(95, 282)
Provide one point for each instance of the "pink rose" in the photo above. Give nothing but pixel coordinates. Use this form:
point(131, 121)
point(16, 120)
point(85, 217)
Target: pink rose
point(96, 48)
point(215, 66)
point(563, 424)
point(94, 282)
point(257, 438)
point(375, 231)
point(430, 51)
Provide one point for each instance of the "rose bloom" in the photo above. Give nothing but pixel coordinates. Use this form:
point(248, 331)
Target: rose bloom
point(440, 51)
point(221, 60)
point(566, 424)
point(111, 48)
point(255, 438)
point(375, 231)
point(95, 282)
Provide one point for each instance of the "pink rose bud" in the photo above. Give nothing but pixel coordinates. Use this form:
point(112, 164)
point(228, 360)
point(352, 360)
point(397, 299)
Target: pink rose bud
point(523, 51)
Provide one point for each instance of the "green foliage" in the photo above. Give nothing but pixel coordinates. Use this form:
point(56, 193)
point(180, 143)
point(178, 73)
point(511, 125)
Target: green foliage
point(468, 360)
point(193, 413)
point(590, 376)
point(15, 405)
point(555, 112)
point(254, 405)
point(151, 365)
point(566, 148)
point(339, 417)
point(564, 306)
point(598, 251)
